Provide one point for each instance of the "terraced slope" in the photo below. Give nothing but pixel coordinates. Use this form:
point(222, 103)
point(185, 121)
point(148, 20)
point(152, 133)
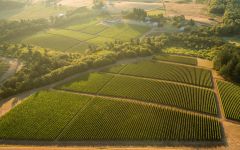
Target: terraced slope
point(230, 95)
point(171, 72)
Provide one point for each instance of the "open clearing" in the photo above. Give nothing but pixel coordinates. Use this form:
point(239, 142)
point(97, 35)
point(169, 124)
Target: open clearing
point(78, 37)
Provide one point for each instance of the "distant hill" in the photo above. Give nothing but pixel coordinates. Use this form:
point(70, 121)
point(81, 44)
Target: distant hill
point(7, 5)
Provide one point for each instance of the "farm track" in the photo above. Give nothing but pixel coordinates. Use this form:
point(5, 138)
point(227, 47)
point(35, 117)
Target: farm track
point(135, 101)
point(160, 80)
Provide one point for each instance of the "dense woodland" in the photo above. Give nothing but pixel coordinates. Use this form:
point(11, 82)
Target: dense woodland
point(230, 9)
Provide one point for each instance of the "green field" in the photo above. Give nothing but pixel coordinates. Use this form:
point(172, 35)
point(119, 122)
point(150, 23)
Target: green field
point(230, 95)
point(41, 117)
point(51, 41)
point(106, 119)
point(78, 37)
point(89, 83)
point(52, 115)
point(148, 91)
point(177, 59)
point(171, 72)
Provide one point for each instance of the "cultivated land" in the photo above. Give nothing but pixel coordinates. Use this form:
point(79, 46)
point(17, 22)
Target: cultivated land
point(112, 107)
point(78, 37)
point(230, 95)
point(171, 72)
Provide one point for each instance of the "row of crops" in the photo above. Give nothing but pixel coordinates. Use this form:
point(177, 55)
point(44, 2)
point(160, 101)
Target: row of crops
point(177, 59)
point(186, 97)
point(42, 116)
point(88, 83)
point(230, 95)
point(171, 72)
point(46, 116)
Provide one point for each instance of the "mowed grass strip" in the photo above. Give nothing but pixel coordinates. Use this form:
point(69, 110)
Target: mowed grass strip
point(230, 95)
point(177, 59)
point(51, 41)
point(111, 120)
point(182, 96)
point(171, 72)
point(89, 83)
point(41, 116)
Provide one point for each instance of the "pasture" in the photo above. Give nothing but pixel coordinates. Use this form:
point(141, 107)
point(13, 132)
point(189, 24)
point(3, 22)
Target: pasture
point(78, 37)
point(230, 96)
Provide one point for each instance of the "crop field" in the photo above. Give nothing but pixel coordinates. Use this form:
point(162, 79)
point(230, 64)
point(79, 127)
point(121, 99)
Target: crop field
point(89, 83)
point(177, 59)
point(171, 72)
point(186, 97)
point(78, 37)
point(53, 115)
point(230, 95)
point(106, 119)
point(41, 117)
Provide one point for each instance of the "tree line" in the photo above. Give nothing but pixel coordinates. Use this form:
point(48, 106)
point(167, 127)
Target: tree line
point(43, 66)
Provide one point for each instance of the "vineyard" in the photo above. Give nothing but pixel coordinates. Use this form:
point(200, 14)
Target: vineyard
point(41, 117)
point(46, 116)
point(89, 83)
point(187, 97)
point(171, 72)
point(162, 93)
point(177, 59)
point(106, 119)
point(230, 95)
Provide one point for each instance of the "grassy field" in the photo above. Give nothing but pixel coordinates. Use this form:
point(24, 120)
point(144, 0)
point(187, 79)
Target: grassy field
point(171, 72)
point(157, 92)
point(52, 115)
point(177, 59)
point(230, 96)
point(78, 37)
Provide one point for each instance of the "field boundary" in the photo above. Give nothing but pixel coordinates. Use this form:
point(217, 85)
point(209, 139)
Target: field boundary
point(160, 80)
point(136, 101)
point(73, 119)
